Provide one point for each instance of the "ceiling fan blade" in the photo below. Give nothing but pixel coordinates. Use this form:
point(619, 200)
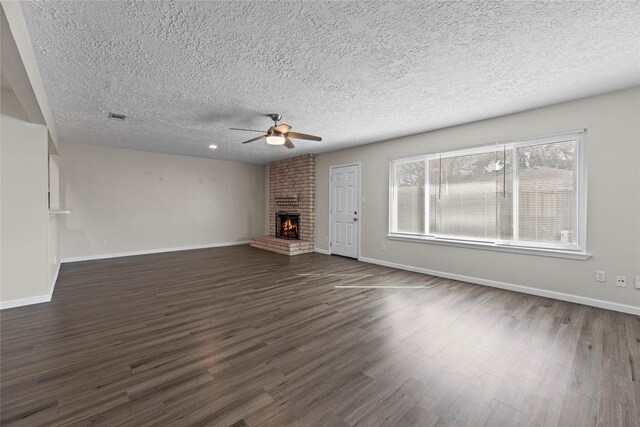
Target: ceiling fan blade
point(297, 135)
point(282, 128)
point(248, 130)
point(255, 139)
point(288, 143)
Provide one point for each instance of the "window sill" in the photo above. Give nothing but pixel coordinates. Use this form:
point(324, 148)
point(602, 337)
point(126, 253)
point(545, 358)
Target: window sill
point(555, 253)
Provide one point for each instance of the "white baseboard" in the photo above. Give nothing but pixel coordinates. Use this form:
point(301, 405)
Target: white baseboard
point(322, 251)
point(511, 287)
point(151, 251)
point(53, 282)
point(24, 301)
point(32, 300)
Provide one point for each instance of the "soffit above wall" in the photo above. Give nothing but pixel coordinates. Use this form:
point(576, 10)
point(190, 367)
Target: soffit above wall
point(352, 72)
point(14, 75)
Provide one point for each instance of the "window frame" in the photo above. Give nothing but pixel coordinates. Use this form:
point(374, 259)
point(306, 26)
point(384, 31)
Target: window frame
point(573, 251)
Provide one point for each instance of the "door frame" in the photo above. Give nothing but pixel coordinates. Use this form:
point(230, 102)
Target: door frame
point(358, 164)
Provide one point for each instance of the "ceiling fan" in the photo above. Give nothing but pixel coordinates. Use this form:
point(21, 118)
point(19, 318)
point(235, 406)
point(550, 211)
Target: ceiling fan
point(279, 134)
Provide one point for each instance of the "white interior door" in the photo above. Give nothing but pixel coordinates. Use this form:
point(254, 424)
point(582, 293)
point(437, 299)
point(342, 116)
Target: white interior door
point(345, 194)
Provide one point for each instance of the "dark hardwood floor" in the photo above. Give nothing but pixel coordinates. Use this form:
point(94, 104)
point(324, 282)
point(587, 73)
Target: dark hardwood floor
point(239, 336)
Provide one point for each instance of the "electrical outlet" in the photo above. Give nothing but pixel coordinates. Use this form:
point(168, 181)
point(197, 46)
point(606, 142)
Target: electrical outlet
point(601, 276)
point(621, 281)
point(103, 241)
point(383, 247)
point(637, 282)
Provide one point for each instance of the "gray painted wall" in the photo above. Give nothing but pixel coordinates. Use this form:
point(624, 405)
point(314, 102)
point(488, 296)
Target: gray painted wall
point(613, 199)
point(25, 225)
point(140, 201)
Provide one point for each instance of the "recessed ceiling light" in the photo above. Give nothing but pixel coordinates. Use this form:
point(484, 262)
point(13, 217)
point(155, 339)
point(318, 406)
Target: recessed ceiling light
point(117, 116)
point(213, 146)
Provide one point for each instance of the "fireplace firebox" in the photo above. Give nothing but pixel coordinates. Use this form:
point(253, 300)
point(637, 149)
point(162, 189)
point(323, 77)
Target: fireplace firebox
point(287, 225)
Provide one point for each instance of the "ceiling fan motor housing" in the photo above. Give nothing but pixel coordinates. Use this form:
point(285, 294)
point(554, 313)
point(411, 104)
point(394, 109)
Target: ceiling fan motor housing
point(273, 132)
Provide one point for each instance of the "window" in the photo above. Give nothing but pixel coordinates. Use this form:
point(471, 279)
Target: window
point(410, 186)
point(527, 194)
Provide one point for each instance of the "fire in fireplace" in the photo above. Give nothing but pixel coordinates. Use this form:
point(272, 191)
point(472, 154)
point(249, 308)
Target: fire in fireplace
point(287, 225)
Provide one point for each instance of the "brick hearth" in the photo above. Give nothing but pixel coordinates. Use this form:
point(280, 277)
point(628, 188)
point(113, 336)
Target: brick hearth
point(282, 246)
point(291, 179)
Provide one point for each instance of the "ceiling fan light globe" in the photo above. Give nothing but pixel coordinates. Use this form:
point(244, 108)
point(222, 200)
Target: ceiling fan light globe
point(275, 140)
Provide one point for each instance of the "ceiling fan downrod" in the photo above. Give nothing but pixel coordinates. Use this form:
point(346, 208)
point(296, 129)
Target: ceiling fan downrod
point(275, 117)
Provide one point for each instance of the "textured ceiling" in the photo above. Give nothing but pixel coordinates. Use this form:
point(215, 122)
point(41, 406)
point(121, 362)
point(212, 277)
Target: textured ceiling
point(352, 72)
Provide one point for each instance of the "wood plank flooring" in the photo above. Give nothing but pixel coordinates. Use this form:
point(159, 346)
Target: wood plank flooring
point(238, 336)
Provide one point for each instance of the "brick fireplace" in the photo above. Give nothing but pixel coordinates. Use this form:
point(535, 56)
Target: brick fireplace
point(292, 190)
